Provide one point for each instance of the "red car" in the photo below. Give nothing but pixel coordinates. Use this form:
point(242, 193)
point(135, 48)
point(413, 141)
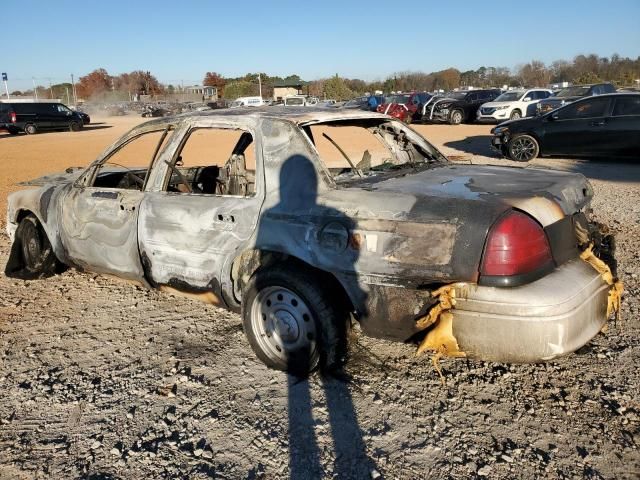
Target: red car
point(404, 106)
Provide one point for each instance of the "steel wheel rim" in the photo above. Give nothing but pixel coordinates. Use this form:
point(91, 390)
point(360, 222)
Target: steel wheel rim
point(515, 115)
point(283, 324)
point(457, 117)
point(522, 149)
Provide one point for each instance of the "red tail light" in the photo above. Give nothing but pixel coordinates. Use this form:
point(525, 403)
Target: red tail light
point(516, 245)
point(13, 117)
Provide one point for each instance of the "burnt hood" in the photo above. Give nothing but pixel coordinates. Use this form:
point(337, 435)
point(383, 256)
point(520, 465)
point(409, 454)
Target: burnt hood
point(69, 175)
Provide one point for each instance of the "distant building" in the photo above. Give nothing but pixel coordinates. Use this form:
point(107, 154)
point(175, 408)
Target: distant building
point(285, 89)
point(206, 93)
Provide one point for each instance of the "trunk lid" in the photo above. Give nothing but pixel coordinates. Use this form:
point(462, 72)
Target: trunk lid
point(546, 195)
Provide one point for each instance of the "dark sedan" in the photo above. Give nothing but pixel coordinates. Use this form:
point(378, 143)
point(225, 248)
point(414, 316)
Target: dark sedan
point(606, 125)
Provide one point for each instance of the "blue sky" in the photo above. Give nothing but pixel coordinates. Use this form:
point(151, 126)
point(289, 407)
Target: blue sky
point(180, 41)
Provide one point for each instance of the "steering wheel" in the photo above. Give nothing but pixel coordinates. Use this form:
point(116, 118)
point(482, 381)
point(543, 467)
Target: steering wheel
point(137, 179)
point(182, 178)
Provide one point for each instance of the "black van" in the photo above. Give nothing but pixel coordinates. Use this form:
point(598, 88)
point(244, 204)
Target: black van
point(32, 117)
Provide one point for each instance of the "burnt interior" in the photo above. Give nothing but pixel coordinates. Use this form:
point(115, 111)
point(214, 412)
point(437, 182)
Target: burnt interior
point(232, 178)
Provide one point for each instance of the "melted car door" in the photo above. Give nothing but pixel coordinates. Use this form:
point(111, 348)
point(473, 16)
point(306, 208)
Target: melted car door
point(207, 206)
point(99, 230)
point(99, 214)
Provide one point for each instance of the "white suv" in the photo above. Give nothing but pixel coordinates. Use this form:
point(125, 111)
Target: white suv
point(512, 105)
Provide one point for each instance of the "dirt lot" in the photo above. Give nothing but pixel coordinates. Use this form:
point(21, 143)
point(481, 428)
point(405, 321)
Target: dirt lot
point(104, 380)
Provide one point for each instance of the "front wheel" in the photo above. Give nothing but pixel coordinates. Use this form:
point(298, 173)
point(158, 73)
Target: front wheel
point(290, 322)
point(523, 148)
point(515, 115)
point(31, 255)
point(456, 117)
point(75, 126)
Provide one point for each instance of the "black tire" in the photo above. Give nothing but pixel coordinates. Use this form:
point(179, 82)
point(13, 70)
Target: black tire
point(327, 346)
point(32, 256)
point(515, 115)
point(13, 131)
point(523, 148)
point(75, 126)
point(30, 129)
point(456, 117)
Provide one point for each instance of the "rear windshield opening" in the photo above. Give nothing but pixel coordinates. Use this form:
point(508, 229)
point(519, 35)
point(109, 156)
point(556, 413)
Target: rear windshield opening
point(364, 148)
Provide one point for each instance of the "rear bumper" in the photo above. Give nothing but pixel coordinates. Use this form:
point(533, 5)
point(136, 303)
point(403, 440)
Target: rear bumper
point(539, 321)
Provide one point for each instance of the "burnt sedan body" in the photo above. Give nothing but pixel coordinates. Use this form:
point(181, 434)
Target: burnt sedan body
point(282, 216)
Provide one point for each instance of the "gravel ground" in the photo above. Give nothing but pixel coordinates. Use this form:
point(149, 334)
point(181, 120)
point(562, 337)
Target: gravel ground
point(104, 380)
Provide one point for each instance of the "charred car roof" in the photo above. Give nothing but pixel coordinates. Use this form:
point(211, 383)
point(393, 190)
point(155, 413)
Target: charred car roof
point(298, 116)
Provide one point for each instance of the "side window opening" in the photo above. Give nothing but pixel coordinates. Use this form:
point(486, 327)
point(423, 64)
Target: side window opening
point(214, 161)
point(128, 166)
point(354, 149)
point(594, 107)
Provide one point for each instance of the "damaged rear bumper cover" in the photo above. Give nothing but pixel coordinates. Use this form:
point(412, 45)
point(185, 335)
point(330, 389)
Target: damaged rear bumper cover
point(539, 321)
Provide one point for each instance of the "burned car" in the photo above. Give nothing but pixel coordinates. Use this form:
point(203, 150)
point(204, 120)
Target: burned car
point(304, 220)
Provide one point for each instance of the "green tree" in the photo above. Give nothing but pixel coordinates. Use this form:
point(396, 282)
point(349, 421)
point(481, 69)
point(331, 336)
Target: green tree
point(240, 88)
point(336, 88)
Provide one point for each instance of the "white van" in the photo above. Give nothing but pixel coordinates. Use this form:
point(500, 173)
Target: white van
point(247, 102)
point(295, 101)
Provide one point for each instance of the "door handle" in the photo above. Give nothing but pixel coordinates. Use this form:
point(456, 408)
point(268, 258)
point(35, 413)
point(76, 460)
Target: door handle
point(225, 218)
point(598, 124)
point(110, 195)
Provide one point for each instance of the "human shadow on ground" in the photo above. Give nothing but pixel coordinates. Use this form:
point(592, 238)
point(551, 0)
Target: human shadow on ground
point(300, 319)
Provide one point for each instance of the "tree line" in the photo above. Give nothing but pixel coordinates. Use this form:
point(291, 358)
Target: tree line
point(99, 85)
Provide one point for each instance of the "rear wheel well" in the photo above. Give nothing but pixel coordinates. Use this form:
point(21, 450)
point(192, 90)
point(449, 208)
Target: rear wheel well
point(245, 265)
point(23, 213)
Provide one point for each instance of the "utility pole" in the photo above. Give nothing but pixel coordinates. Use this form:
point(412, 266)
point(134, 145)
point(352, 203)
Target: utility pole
point(50, 89)
point(260, 85)
point(73, 90)
point(35, 90)
point(67, 90)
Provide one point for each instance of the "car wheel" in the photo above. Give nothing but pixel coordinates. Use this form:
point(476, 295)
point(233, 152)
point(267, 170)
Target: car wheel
point(34, 257)
point(456, 117)
point(291, 323)
point(13, 131)
point(523, 148)
point(515, 115)
point(75, 126)
point(30, 129)
point(408, 119)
